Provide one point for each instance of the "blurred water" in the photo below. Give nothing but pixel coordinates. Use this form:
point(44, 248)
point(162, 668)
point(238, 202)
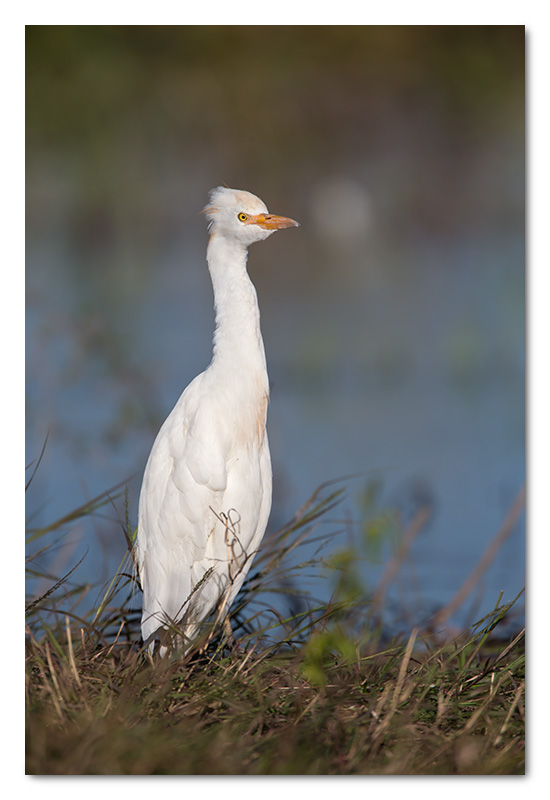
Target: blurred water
point(393, 318)
point(411, 374)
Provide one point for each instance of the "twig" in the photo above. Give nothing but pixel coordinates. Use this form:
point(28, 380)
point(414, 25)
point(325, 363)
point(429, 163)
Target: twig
point(38, 462)
point(490, 552)
point(71, 652)
point(395, 562)
point(59, 583)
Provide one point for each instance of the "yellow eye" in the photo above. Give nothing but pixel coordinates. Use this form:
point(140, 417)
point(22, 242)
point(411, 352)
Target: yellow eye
point(242, 217)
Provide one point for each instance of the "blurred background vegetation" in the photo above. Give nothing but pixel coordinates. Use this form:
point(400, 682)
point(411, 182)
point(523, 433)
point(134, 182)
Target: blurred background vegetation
point(393, 319)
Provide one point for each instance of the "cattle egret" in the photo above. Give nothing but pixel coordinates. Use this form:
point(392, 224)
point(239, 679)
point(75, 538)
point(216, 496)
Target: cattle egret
point(206, 492)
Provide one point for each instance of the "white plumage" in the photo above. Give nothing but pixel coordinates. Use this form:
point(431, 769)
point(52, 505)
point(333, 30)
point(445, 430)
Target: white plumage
point(206, 492)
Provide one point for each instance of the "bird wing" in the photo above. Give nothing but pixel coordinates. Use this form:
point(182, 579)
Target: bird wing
point(184, 480)
point(203, 509)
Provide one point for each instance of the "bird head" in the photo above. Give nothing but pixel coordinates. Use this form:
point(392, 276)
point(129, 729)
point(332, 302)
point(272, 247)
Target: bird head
point(241, 216)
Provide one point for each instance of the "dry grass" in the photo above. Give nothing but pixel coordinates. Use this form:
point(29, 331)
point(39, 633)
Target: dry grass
point(321, 691)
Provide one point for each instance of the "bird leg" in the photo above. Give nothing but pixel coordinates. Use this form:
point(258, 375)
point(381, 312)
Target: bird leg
point(228, 631)
point(230, 637)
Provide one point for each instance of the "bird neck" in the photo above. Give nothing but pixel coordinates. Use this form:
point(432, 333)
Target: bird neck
point(238, 342)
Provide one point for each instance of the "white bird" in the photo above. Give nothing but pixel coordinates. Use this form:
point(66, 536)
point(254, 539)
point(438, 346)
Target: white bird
point(206, 492)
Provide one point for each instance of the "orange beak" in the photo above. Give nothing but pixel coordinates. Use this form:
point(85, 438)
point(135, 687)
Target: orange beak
point(271, 222)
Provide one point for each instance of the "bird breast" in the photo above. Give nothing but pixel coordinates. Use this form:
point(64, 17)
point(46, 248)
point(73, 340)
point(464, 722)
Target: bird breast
point(243, 412)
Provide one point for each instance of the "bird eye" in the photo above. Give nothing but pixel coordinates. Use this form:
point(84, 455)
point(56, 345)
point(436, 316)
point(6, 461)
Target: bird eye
point(242, 217)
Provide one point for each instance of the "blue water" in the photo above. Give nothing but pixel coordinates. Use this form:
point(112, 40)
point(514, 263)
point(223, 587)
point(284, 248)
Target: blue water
point(397, 358)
